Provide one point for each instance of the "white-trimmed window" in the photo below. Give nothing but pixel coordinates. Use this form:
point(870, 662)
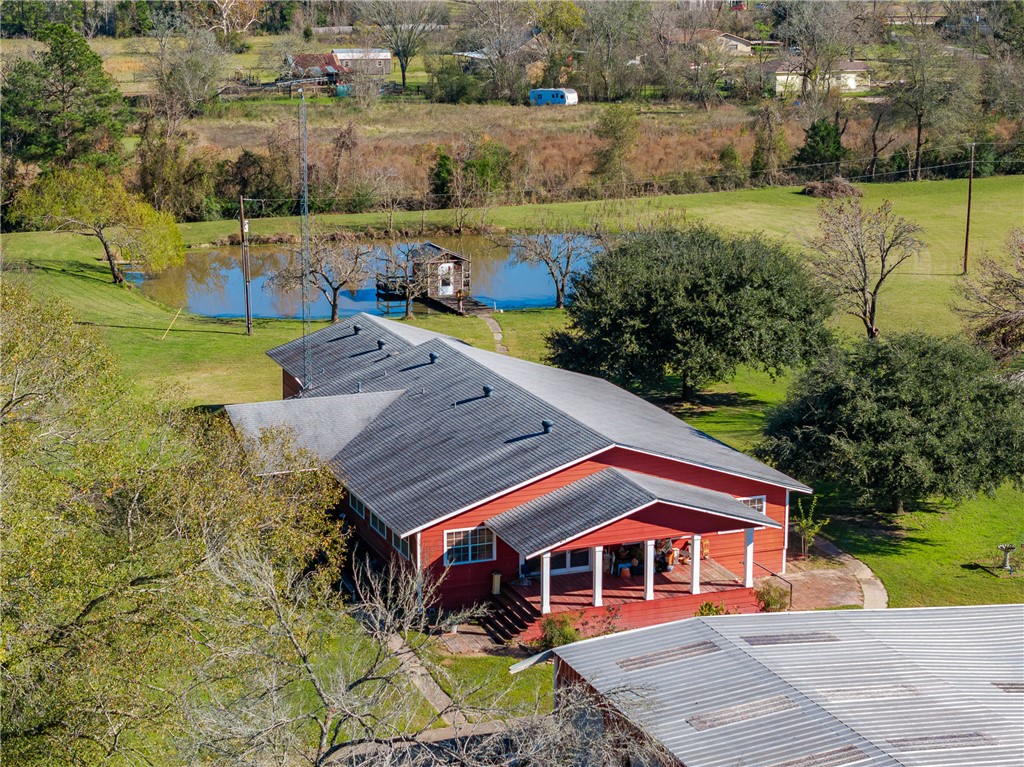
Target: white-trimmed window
point(758, 503)
point(357, 506)
point(473, 545)
point(401, 545)
point(378, 524)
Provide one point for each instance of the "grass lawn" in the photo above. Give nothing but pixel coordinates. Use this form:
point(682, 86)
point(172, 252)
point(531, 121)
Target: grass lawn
point(942, 556)
point(494, 687)
point(525, 331)
point(201, 360)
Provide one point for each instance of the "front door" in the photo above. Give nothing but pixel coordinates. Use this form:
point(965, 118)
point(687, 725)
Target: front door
point(575, 561)
point(445, 279)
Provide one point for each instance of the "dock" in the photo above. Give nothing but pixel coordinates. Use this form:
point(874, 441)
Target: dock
point(471, 307)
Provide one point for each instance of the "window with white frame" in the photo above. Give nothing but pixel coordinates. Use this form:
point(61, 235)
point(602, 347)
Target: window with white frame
point(464, 546)
point(757, 503)
point(401, 545)
point(357, 506)
point(378, 524)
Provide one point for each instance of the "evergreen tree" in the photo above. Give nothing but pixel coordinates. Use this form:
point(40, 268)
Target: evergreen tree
point(62, 107)
point(822, 150)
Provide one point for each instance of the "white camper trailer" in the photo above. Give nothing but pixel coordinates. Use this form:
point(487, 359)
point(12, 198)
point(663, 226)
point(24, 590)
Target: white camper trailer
point(560, 96)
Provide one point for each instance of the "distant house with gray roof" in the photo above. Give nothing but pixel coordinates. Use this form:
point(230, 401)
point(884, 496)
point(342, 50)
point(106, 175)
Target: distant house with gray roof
point(577, 494)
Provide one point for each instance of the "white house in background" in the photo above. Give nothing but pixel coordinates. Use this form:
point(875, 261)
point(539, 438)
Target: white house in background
point(734, 45)
point(374, 61)
point(846, 76)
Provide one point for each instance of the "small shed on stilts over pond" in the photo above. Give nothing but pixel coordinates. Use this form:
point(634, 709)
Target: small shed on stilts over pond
point(439, 272)
point(438, 277)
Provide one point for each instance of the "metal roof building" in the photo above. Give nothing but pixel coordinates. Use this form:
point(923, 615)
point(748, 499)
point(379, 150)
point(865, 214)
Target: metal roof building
point(893, 688)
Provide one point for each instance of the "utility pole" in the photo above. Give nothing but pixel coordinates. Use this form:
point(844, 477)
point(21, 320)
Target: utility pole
point(245, 263)
point(307, 349)
point(970, 190)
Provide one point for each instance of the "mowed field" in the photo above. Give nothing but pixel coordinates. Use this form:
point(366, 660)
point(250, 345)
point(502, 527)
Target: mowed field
point(936, 556)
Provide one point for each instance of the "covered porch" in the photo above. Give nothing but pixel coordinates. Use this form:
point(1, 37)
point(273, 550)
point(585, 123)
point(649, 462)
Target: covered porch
point(576, 591)
point(592, 518)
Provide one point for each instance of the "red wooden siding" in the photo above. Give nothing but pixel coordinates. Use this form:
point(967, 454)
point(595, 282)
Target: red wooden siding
point(468, 583)
point(289, 385)
point(726, 548)
point(465, 584)
point(657, 521)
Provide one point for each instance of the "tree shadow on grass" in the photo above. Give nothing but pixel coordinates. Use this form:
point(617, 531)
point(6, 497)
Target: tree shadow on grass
point(861, 529)
point(162, 329)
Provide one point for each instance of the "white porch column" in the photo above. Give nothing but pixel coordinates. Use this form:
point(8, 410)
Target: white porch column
point(695, 564)
point(748, 557)
point(545, 583)
point(648, 570)
point(597, 562)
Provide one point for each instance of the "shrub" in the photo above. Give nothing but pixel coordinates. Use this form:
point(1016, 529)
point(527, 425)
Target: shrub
point(710, 608)
point(834, 189)
point(557, 630)
point(772, 598)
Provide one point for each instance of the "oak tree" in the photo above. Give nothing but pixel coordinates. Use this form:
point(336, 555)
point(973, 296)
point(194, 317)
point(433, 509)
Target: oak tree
point(901, 420)
point(695, 304)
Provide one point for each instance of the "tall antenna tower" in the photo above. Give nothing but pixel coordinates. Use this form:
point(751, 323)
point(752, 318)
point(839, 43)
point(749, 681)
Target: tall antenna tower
point(307, 350)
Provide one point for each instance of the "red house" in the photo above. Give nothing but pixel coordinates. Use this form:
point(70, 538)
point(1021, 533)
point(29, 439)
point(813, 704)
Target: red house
point(582, 496)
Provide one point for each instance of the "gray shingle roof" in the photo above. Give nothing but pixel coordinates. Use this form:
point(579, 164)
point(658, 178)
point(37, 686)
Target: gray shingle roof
point(600, 498)
point(322, 425)
point(441, 446)
point(892, 688)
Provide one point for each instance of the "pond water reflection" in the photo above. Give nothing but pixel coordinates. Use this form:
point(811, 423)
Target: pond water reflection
point(210, 282)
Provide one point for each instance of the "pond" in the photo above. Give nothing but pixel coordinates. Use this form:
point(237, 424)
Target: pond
point(211, 283)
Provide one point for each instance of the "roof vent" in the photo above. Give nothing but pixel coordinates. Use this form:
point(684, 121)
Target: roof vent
point(488, 390)
point(434, 357)
point(381, 344)
point(356, 329)
point(547, 425)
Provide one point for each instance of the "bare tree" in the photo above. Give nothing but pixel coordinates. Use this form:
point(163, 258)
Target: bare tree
point(336, 262)
point(561, 252)
point(499, 28)
point(405, 26)
point(306, 677)
point(229, 17)
point(823, 33)
point(705, 66)
point(994, 301)
point(856, 251)
point(932, 88)
point(770, 148)
point(186, 65)
point(400, 277)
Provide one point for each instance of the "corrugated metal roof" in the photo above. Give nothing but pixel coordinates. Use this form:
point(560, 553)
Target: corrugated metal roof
point(905, 688)
point(602, 497)
point(458, 448)
point(353, 54)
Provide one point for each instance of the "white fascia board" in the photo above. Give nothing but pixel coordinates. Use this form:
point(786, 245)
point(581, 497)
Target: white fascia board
point(759, 525)
point(794, 488)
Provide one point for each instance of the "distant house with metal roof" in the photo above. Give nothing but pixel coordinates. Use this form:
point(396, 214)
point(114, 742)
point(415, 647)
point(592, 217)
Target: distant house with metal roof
point(878, 688)
point(374, 61)
point(325, 66)
point(577, 494)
